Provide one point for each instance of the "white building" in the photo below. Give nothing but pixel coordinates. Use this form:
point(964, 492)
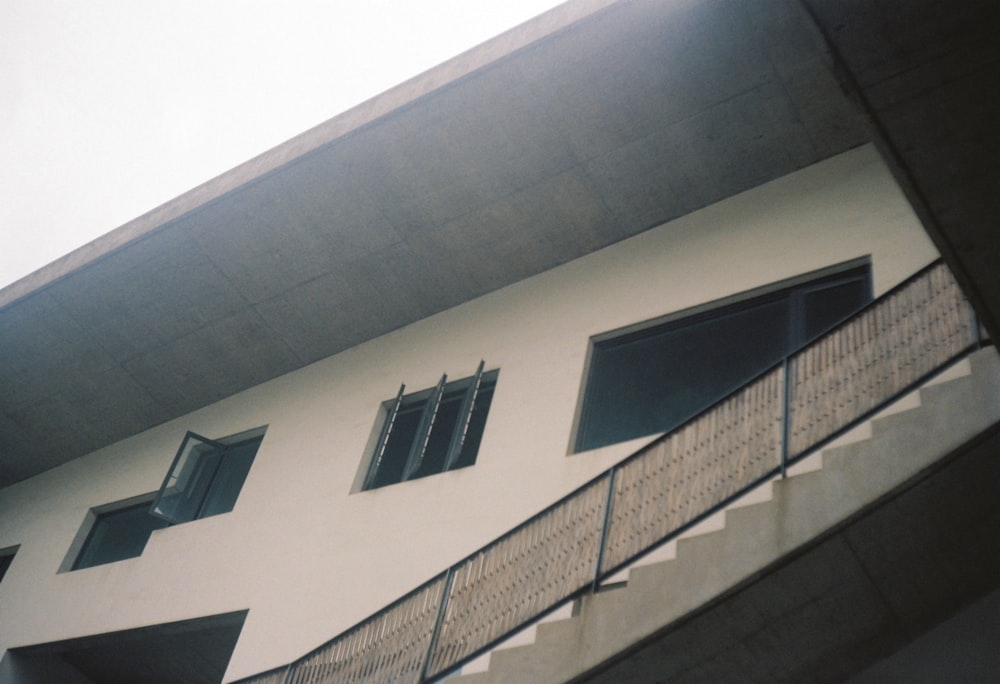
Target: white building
point(595, 226)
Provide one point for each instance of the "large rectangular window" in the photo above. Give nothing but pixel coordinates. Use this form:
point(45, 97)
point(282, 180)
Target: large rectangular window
point(431, 431)
point(653, 379)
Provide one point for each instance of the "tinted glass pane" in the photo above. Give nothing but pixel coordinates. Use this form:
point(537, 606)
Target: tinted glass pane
point(5, 562)
point(653, 383)
point(825, 306)
point(445, 431)
point(652, 380)
point(397, 449)
point(187, 483)
point(442, 431)
point(118, 535)
point(477, 422)
point(229, 477)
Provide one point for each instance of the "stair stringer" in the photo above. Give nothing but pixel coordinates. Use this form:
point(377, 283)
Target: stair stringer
point(854, 475)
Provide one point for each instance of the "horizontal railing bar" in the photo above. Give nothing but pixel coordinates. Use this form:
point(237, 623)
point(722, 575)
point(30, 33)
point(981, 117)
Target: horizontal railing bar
point(843, 323)
point(656, 441)
point(882, 405)
point(772, 474)
point(776, 471)
point(888, 294)
point(371, 618)
point(444, 674)
point(515, 552)
point(534, 518)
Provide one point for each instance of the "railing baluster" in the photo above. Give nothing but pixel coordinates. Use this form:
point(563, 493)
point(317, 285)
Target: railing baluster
point(786, 394)
point(442, 609)
point(602, 543)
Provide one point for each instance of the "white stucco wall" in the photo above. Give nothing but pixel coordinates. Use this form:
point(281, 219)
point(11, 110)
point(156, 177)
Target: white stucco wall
point(307, 557)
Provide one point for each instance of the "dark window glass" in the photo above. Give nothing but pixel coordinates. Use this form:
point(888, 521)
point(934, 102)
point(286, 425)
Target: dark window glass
point(441, 434)
point(663, 377)
point(188, 480)
point(5, 560)
point(477, 422)
point(397, 449)
point(229, 478)
point(117, 535)
point(432, 431)
point(824, 305)
point(205, 478)
point(653, 380)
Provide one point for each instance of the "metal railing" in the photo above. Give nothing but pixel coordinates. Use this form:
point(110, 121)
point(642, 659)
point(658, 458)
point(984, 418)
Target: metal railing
point(812, 396)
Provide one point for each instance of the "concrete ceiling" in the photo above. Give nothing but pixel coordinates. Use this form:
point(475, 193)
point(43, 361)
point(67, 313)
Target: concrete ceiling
point(926, 73)
point(581, 128)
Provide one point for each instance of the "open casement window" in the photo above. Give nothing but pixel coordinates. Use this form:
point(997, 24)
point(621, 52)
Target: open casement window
point(653, 379)
point(432, 431)
point(205, 478)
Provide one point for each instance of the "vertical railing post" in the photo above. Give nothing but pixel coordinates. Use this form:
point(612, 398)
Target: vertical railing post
point(604, 528)
point(786, 401)
point(288, 673)
point(432, 646)
point(977, 329)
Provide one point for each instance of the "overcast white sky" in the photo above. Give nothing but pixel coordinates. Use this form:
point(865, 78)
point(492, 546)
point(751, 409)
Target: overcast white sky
point(109, 108)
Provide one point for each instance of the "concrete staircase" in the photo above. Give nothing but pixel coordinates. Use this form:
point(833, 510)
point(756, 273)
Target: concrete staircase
point(791, 584)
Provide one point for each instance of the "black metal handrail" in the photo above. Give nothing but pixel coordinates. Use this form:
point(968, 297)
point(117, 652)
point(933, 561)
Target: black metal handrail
point(836, 381)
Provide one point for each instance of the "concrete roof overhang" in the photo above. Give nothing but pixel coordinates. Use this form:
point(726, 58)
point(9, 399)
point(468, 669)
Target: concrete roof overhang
point(926, 74)
point(585, 126)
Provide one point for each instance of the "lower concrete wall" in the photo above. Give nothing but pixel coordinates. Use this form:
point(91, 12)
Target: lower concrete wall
point(960, 649)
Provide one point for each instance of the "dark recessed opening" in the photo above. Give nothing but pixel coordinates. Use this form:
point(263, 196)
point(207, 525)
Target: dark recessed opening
point(186, 652)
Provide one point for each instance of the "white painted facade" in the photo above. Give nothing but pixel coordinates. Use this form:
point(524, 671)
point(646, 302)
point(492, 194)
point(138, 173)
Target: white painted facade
point(307, 553)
